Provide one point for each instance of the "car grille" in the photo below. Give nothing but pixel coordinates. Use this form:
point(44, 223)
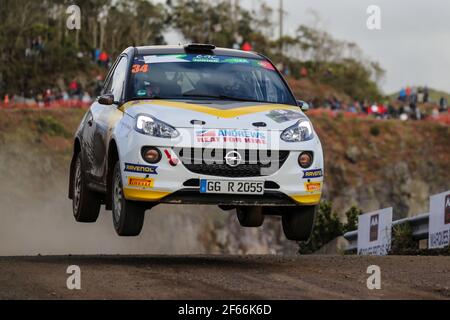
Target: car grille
point(212, 162)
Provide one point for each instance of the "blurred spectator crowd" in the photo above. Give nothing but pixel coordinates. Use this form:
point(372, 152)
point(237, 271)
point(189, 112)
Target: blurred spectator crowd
point(411, 104)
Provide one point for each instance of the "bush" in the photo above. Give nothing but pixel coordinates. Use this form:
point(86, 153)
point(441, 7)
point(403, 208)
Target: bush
point(402, 239)
point(328, 226)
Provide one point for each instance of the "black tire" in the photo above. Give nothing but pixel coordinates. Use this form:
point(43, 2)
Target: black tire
point(299, 223)
point(85, 202)
point(250, 217)
point(128, 216)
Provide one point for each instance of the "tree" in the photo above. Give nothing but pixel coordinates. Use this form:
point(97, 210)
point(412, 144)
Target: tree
point(37, 51)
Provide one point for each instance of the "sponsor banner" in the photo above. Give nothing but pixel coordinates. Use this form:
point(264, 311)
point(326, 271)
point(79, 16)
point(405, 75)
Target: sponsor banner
point(375, 232)
point(231, 136)
point(140, 182)
point(315, 173)
point(313, 186)
point(439, 224)
point(139, 168)
point(203, 58)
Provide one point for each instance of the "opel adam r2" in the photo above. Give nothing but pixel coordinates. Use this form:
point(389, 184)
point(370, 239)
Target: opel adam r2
point(196, 124)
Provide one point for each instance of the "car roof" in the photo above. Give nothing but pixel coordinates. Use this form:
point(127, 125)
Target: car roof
point(180, 49)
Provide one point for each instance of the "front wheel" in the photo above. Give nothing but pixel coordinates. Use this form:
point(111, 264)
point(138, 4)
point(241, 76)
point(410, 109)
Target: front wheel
point(128, 216)
point(299, 223)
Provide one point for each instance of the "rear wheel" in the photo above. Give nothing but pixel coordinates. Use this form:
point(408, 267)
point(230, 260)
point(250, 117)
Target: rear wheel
point(85, 202)
point(299, 223)
point(250, 216)
point(128, 216)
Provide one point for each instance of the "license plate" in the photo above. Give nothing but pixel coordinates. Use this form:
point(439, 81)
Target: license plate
point(229, 186)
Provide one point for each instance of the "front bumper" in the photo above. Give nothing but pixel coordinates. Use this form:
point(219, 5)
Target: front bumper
point(169, 183)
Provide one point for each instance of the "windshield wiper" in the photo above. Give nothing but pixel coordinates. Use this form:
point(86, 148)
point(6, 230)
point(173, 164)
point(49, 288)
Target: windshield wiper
point(220, 97)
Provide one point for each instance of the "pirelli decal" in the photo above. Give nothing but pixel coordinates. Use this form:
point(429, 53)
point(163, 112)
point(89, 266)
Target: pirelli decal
point(138, 168)
point(140, 182)
point(313, 186)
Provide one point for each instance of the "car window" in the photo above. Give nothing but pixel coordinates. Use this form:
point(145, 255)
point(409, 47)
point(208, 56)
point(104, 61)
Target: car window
point(117, 79)
point(192, 76)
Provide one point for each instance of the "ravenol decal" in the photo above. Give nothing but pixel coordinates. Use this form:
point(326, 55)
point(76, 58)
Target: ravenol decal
point(138, 168)
point(140, 182)
point(313, 186)
point(316, 173)
point(231, 135)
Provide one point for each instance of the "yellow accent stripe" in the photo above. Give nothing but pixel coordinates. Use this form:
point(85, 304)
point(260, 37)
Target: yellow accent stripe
point(307, 198)
point(229, 113)
point(152, 195)
point(143, 195)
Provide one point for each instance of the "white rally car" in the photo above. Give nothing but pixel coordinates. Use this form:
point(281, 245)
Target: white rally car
point(196, 124)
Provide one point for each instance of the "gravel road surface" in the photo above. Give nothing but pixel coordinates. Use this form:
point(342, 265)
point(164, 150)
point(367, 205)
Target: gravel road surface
point(224, 277)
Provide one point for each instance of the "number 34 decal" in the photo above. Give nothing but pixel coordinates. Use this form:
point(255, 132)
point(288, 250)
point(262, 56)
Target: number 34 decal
point(137, 68)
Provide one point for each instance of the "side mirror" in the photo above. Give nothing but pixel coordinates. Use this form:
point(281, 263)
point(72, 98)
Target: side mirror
point(106, 99)
point(303, 105)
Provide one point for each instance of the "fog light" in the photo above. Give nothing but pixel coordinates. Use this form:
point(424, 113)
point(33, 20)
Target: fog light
point(305, 159)
point(151, 155)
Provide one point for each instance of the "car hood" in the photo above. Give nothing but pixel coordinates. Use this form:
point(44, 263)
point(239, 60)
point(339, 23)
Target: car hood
point(217, 114)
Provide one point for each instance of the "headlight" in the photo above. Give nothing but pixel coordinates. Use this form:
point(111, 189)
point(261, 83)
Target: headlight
point(301, 131)
point(154, 127)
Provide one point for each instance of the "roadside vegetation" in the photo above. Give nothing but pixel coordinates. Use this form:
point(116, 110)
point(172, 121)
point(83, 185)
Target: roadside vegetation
point(328, 226)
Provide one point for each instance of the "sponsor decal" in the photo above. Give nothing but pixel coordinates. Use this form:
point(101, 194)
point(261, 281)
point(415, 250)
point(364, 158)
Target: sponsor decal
point(173, 161)
point(231, 135)
point(166, 58)
point(266, 65)
point(140, 182)
point(206, 58)
point(141, 93)
point(374, 223)
point(313, 186)
point(236, 60)
point(447, 209)
point(315, 173)
point(137, 68)
point(281, 116)
point(139, 168)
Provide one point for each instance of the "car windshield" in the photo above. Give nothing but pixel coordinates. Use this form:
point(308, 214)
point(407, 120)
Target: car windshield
point(201, 77)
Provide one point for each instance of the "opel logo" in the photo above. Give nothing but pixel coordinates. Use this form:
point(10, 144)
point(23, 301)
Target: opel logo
point(233, 158)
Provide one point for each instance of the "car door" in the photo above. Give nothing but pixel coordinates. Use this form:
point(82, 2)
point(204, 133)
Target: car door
point(104, 118)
